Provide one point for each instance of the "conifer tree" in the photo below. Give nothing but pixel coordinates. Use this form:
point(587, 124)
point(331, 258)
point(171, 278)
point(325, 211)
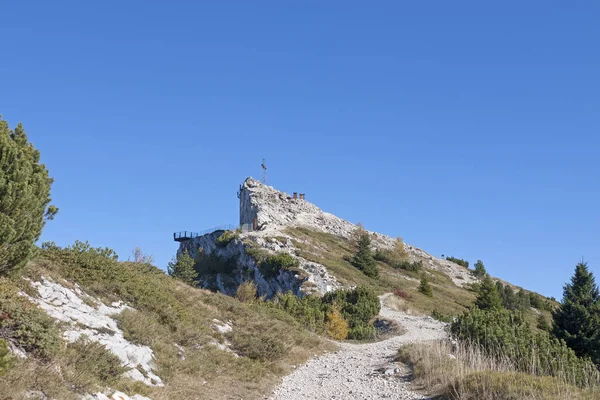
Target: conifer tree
point(500, 288)
point(542, 323)
point(182, 268)
point(488, 298)
point(577, 319)
point(523, 300)
point(363, 259)
point(509, 298)
point(425, 287)
point(24, 197)
point(479, 271)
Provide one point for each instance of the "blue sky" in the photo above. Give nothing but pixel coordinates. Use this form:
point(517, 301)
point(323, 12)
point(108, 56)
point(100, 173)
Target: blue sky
point(468, 128)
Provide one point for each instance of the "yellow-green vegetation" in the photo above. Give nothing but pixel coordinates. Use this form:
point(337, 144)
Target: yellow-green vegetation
point(5, 357)
point(497, 355)
point(24, 324)
point(271, 265)
point(246, 292)
point(167, 314)
point(337, 326)
point(335, 252)
point(358, 307)
point(226, 237)
point(464, 372)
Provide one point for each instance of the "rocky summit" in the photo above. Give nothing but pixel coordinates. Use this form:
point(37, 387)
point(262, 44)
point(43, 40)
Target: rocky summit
point(269, 222)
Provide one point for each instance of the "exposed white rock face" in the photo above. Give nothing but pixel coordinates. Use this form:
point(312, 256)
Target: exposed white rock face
point(246, 267)
point(273, 212)
point(66, 305)
point(114, 396)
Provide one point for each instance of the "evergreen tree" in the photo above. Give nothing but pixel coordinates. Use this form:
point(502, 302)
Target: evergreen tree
point(577, 319)
point(500, 289)
point(523, 300)
point(363, 259)
point(488, 298)
point(425, 287)
point(24, 197)
point(182, 268)
point(542, 323)
point(509, 299)
point(479, 271)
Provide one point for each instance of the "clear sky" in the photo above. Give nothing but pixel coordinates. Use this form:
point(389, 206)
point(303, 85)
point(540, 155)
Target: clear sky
point(468, 128)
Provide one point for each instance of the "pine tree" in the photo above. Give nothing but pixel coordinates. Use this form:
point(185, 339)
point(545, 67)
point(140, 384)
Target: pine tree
point(500, 289)
point(24, 197)
point(182, 268)
point(425, 287)
point(542, 323)
point(479, 271)
point(509, 299)
point(577, 319)
point(488, 298)
point(523, 300)
point(363, 259)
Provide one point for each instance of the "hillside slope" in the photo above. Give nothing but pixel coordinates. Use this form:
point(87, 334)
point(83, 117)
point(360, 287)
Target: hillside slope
point(103, 326)
point(322, 245)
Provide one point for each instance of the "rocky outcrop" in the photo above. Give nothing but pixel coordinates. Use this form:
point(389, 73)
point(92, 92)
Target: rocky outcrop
point(265, 215)
point(233, 265)
point(275, 210)
point(85, 315)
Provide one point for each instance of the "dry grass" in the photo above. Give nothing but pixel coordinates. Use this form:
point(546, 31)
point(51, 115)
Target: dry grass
point(464, 372)
point(168, 314)
point(333, 251)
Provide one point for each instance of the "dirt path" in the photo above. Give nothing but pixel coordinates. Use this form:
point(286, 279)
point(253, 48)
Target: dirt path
point(361, 371)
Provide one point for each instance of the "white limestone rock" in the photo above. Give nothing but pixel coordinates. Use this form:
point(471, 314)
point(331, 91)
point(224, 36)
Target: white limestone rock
point(96, 324)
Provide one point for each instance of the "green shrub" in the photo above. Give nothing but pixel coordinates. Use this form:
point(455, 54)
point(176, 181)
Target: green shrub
point(271, 266)
point(5, 357)
point(212, 264)
point(505, 334)
point(357, 307)
point(309, 311)
point(99, 272)
point(425, 287)
point(394, 257)
point(182, 268)
point(246, 292)
point(543, 324)
point(458, 261)
point(24, 323)
point(84, 263)
point(415, 266)
point(24, 197)
point(226, 238)
point(362, 332)
point(440, 316)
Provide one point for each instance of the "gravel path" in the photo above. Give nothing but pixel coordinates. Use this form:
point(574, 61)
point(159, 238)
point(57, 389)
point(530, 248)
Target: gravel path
point(361, 371)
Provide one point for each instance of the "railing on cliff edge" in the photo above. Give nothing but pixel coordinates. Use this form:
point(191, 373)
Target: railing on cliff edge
point(186, 235)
